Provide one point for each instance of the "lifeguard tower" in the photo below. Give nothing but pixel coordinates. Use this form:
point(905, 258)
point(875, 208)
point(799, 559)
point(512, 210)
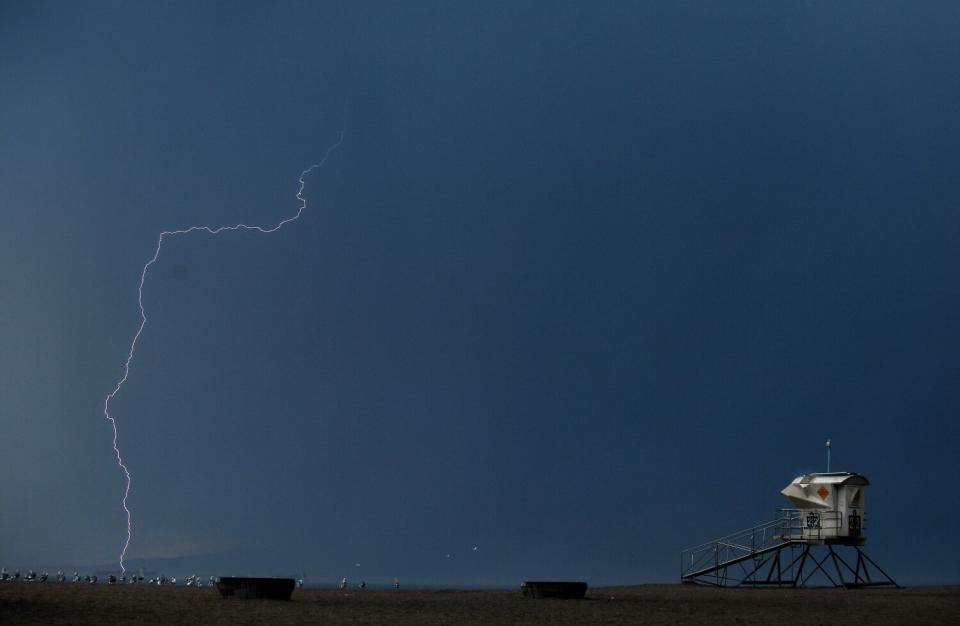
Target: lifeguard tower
point(827, 521)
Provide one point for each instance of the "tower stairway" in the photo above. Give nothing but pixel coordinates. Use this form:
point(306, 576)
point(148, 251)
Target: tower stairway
point(778, 554)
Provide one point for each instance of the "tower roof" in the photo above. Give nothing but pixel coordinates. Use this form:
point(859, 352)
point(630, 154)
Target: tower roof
point(832, 478)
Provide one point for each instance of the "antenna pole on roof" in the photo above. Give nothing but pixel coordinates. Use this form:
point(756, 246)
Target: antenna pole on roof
point(828, 456)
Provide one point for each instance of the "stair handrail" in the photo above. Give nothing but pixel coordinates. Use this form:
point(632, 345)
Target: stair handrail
point(733, 546)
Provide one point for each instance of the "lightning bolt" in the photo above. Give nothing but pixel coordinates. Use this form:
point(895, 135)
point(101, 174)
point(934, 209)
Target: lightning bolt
point(143, 318)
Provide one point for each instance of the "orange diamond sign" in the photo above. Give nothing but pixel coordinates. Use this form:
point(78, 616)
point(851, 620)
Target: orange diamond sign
point(823, 492)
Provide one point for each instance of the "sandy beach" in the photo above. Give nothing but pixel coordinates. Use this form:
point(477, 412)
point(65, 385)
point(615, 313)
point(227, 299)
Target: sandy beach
point(646, 604)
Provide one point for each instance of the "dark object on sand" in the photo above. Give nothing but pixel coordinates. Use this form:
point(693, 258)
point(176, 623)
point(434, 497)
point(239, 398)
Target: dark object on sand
point(255, 588)
point(553, 589)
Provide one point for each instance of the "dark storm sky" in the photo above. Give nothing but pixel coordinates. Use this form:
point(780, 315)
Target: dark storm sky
point(583, 285)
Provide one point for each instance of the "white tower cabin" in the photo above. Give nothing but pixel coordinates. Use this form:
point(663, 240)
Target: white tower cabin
point(831, 507)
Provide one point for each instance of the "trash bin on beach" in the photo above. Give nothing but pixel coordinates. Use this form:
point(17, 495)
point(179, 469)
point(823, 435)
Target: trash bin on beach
point(553, 589)
point(245, 588)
